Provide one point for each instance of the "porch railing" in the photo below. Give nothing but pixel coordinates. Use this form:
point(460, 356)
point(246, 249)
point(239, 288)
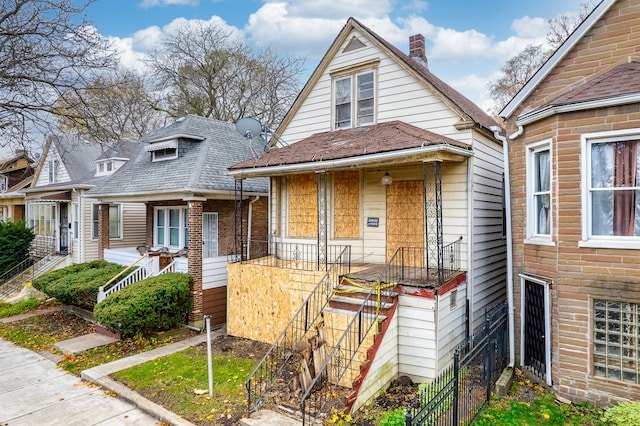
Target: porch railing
point(413, 265)
point(140, 273)
point(291, 255)
point(272, 364)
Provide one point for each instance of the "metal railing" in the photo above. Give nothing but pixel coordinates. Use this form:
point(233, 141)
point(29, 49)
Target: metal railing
point(340, 359)
point(290, 255)
point(413, 265)
point(39, 251)
point(462, 390)
point(272, 364)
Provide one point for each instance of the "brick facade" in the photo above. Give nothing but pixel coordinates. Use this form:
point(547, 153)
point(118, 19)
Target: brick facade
point(579, 275)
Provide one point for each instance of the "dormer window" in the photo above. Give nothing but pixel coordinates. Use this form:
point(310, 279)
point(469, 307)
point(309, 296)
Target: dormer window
point(354, 100)
point(105, 167)
point(162, 151)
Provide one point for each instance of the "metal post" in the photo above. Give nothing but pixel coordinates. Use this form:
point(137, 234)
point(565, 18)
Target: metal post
point(207, 320)
point(456, 390)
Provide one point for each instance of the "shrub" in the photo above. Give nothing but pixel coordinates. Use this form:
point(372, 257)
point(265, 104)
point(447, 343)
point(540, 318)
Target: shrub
point(77, 284)
point(624, 414)
point(15, 240)
point(154, 304)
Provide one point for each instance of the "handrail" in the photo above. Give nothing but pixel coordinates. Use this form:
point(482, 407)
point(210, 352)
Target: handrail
point(355, 333)
point(137, 275)
point(123, 271)
point(271, 365)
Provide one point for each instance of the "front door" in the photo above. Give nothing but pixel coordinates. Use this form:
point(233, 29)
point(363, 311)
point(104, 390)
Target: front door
point(536, 352)
point(64, 228)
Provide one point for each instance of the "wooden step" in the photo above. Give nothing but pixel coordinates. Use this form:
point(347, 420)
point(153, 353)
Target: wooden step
point(348, 300)
point(351, 313)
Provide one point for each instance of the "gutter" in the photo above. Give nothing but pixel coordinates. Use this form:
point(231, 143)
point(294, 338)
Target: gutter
point(507, 194)
point(347, 162)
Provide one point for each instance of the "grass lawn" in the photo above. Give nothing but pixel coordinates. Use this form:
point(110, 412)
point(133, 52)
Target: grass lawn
point(179, 382)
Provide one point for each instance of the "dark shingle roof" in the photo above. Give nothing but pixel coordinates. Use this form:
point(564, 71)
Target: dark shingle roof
point(203, 158)
point(359, 141)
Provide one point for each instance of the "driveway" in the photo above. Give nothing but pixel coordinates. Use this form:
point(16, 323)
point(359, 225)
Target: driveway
point(33, 391)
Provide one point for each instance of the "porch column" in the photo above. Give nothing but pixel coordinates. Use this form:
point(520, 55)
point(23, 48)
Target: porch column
point(432, 176)
point(149, 218)
point(195, 262)
point(321, 190)
point(103, 229)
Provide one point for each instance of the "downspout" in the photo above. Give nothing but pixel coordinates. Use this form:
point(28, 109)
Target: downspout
point(249, 214)
point(507, 194)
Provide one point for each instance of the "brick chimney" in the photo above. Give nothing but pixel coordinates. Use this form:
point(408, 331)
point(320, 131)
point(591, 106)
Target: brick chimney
point(417, 49)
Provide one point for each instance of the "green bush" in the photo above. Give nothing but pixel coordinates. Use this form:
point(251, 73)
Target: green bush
point(624, 414)
point(154, 304)
point(15, 240)
point(78, 284)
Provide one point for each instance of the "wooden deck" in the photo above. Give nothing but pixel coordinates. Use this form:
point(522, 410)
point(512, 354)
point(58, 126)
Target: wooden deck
point(411, 276)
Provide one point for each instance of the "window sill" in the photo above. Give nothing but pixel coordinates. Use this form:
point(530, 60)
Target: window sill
point(540, 241)
point(613, 244)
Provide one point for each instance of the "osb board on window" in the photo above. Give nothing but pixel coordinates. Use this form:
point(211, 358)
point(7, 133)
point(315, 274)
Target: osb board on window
point(262, 300)
point(346, 200)
point(405, 215)
point(303, 206)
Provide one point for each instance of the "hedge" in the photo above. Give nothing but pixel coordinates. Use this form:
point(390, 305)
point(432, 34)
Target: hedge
point(78, 284)
point(154, 304)
point(15, 240)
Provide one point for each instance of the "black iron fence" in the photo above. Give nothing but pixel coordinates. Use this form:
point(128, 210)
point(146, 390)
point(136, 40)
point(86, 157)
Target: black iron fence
point(459, 393)
point(291, 255)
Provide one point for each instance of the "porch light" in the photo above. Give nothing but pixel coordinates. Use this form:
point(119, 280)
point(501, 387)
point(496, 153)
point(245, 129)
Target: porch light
point(386, 180)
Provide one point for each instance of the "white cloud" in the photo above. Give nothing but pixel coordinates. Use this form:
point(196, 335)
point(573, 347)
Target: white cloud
point(527, 27)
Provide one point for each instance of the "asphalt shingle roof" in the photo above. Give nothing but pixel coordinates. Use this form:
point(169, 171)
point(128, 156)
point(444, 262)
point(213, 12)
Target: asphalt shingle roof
point(201, 164)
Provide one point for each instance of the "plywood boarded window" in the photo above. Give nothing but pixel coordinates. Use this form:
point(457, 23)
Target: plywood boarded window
point(346, 201)
point(303, 206)
point(405, 215)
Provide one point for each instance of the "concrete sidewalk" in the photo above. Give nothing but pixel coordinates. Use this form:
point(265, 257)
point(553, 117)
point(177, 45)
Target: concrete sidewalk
point(33, 391)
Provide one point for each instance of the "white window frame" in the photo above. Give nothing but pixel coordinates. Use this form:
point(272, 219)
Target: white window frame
point(182, 227)
point(75, 218)
point(598, 241)
point(216, 241)
point(54, 170)
point(355, 118)
point(95, 225)
point(532, 235)
point(37, 219)
point(4, 183)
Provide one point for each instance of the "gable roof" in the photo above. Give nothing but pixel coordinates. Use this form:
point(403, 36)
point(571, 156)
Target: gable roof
point(207, 148)
point(352, 147)
point(78, 157)
point(466, 109)
point(524, 92)
point(619, 85)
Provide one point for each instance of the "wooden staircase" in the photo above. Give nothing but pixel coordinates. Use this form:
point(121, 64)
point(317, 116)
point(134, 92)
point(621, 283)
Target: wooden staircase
point(347, 299)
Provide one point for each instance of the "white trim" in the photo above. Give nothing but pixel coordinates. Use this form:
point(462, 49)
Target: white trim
point(361, 160)
point(539, 241)
point(547, 323)
point(183, 223)
point(176, 137)
point(531, 218)
point(536, 115)
point(557, 56)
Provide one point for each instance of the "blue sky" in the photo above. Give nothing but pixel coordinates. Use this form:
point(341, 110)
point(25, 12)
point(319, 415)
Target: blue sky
point(467, 40)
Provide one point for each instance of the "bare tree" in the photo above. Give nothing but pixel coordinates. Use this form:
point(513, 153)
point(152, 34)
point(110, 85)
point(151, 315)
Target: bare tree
point(47, 50)
point(114, 107)
point(521, 67)
point(206, 71)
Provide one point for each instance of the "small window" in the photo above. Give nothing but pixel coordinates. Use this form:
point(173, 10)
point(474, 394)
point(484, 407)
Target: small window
point(616, 341)
point(164, 154)
point(4, 183)
point(53, 168)
point(360, 87)
point(539, 191)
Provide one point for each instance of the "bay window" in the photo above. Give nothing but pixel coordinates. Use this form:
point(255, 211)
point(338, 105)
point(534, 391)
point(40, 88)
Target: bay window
point(611, 182)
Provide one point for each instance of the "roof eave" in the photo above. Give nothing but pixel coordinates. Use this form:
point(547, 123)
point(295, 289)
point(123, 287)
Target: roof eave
point(349, 162)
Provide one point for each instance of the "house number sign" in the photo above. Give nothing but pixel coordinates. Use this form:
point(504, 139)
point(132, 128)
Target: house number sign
point(373, 222)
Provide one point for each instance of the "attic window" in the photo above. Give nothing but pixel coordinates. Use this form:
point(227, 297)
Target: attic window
point(354, 44)
point(104, 168)
point(165, 150)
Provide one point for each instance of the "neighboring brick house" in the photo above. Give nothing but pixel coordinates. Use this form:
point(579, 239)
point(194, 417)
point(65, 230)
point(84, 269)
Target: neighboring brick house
point(180, 175)
point(389, 164)
point(575, 190)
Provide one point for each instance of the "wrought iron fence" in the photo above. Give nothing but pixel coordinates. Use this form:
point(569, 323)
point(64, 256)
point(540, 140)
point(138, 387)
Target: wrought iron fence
point(290, 255)
point(413, 265)
point(272, 364)
point(462, 390)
